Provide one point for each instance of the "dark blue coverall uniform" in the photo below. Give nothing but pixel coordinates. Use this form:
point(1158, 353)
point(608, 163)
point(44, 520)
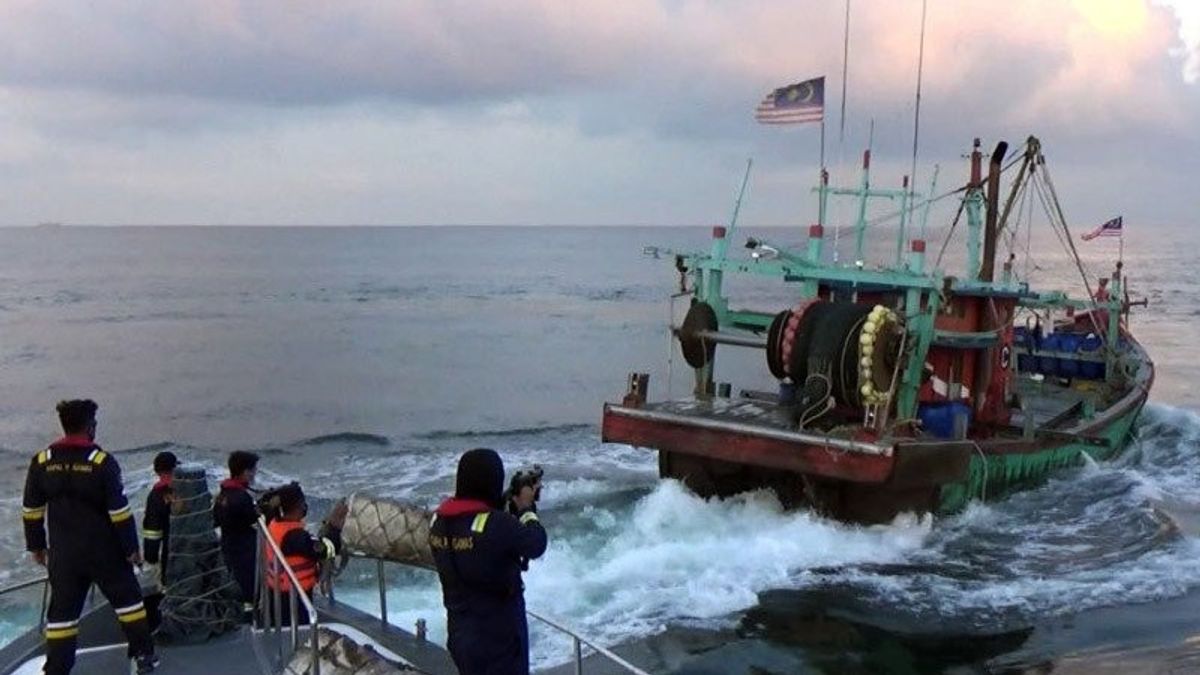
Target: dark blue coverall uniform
point(75, 488)
point(235, 512)
point(480, 552)
point(156, 525)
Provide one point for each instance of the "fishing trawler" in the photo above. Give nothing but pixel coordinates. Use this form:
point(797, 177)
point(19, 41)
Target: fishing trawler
point(902, 387)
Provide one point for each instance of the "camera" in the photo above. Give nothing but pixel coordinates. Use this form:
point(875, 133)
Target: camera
point(522, 479)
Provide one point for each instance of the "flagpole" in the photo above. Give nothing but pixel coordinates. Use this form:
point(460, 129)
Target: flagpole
point(1121, 249)
point(822, 143)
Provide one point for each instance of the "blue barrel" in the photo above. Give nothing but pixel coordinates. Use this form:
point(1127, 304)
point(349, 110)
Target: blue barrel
point(1068, 342)
point(938, 418)
point(1025, 362)
point(1091, 345)
point(1048, 364)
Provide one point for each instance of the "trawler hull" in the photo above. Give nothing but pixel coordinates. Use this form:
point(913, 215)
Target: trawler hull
point(720, 447)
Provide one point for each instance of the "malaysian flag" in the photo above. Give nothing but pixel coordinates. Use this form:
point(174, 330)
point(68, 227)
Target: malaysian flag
point(794, 104)
point(1110, 229)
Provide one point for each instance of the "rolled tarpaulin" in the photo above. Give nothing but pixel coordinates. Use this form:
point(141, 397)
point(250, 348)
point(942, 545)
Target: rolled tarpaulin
point(388, 529)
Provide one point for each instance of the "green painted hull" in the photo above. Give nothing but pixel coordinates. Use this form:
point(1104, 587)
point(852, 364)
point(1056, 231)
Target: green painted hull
point(1002, 474)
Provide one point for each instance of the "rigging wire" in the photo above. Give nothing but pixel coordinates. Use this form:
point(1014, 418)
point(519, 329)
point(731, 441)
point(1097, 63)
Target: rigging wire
point(1048, 197)
point(913, 207)
point(946, 242)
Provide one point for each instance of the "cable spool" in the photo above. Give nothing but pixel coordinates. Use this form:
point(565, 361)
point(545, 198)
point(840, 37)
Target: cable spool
point(697, 351)
point(775, 361)
point(839, 353)
point(797, 337)
point(831, 352)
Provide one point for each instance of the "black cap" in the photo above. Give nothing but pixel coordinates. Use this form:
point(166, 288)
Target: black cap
point(290, 496)
point(480, 476)
point(165, 461)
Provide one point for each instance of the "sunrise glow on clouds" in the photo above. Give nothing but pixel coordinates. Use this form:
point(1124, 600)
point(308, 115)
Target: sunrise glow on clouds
point(489, 111)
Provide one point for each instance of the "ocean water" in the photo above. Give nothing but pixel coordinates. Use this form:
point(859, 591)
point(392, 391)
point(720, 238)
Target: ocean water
point(368, 359)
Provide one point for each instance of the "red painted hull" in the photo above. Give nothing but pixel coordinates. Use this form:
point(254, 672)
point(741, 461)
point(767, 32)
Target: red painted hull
point(847, 480)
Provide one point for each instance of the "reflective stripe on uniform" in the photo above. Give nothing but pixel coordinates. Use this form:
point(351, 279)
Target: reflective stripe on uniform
point(134, 612)
point(330, 549)
point(43, 456)
point(528, 517)
point(61, 633)
point(480, 522)
point(131, 608)
point(55, 625)
point(33, 514)
point(152, 534)
point(139, 615)
point(97, 457)
point(121, 514)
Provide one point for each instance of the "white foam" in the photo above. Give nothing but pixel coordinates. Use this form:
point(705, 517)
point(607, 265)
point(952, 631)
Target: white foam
point(669, 556)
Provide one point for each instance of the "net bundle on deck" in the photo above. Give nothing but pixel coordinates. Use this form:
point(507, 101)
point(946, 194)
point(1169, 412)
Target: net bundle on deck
point(388, 529)
point(201, 599)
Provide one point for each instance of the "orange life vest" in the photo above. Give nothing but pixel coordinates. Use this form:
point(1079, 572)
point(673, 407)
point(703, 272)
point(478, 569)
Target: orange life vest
point(307, 570)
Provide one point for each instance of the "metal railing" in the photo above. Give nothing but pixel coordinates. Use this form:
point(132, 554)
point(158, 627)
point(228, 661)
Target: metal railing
point(577, 641)
point(30, 583)
point(271, 601)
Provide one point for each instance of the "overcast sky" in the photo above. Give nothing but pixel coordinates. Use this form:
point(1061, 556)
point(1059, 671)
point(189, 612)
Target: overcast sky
point(570, 111)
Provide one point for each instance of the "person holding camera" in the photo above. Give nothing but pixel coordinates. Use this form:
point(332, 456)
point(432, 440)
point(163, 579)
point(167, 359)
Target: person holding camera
point(480, 550)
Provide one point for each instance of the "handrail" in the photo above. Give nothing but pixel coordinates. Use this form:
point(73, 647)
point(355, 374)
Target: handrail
point(576, 638)
point(30, 583)
point(579, 639)
point(295, 594)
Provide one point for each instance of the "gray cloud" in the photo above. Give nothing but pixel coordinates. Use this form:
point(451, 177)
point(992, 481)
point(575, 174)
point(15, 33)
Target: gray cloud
point(544, 111)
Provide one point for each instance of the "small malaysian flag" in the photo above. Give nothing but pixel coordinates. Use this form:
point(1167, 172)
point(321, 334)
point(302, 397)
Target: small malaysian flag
point(1110, 229)
point(794, 104)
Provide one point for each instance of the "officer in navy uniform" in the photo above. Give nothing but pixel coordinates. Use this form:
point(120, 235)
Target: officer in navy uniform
point(156, 522)
point(480, 551)
point(76, 487)
point(156, 530)
point(235, 512)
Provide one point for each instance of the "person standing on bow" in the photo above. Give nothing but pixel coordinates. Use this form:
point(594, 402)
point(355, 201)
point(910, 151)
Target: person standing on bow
point(75, 488)
point(156, 531)
point(480, 551)
point(235, 512)
point(156, 523)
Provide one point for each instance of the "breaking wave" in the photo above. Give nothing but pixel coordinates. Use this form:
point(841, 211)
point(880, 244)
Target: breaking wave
point(447, 434)
point(346, 438)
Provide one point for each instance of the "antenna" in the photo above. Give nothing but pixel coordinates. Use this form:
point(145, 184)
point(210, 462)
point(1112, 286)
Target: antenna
point(845, 69)
point(917, 113)
point(837, 229)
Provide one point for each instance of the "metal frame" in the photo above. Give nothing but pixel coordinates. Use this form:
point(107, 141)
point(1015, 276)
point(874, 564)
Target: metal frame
point(296, 597)
point(30, 583)
point(577, 641)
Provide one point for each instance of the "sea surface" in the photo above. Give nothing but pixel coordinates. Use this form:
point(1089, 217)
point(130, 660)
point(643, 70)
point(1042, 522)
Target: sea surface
point(368, 359)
